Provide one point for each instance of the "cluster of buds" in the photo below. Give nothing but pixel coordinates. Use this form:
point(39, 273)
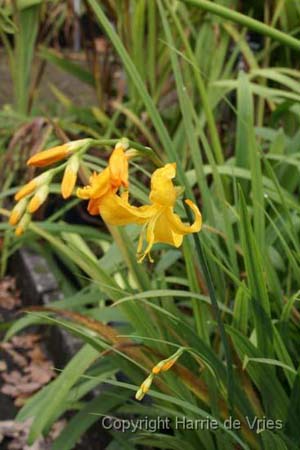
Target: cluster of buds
point(33, 194)
point(29, 198)
point(162, 366)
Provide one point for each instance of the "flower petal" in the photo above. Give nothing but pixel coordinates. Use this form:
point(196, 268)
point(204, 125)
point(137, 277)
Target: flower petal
point(99, 186)
point(116, 210)
point(94, 206)
point(164, 233)
point(118, 167)
point(180, 228)
point(163, 192)
point(158, 229)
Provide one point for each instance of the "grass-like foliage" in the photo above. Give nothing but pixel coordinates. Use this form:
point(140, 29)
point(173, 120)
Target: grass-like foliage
point(212, 326)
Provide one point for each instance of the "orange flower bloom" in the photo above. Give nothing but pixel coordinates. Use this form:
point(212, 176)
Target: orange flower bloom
point(107, 182)
point(161, 223)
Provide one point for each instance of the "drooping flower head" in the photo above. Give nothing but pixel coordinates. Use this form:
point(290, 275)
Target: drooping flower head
point(160, 222)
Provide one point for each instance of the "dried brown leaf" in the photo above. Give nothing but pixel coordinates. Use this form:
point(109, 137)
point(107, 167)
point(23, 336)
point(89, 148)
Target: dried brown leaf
point(36, 354)
point(26, 341)
point(3, 366)
point(9, 296)
point(18, 359)
point(40, 373)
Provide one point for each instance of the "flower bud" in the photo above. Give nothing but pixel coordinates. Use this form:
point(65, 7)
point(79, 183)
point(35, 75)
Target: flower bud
point(23, 224)
point(144, 388)
point(55, 154)
point(118, 167)
point(123, 143)
point(34, 184)
point(18, 211)
point(132, 153)
point(70, 176)
point(166, 364)
point(73, 146)
point(38, 199)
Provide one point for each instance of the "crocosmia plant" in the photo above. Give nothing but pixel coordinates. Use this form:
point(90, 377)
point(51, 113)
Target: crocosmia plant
point(108, 195)
point(149, 173)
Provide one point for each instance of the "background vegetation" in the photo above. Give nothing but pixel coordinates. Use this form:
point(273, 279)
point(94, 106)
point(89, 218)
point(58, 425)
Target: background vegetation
point(215, 87)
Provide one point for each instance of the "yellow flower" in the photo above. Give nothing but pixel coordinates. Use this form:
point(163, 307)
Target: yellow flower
point(144, 388)
point(55, 154)
point(161, 224)
point(70, 177)
point(107, 182)
point(115, 210)
point(34, 184)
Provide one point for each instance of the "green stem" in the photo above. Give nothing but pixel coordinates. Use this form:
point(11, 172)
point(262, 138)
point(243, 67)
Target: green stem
point(112, 142)
point(242, 19)
point(214, 303)
point(147, 151)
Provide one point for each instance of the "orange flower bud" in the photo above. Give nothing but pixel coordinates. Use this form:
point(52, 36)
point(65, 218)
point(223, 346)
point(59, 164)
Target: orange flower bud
point(166, 364)
point(17, 212)
point(118, 167)
point(26, 190)
point(23, 224)
point(54, 154)
point(144, 388)
point(70, 176)
point(38, 199)
point(49, 156)
point(30, 187)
